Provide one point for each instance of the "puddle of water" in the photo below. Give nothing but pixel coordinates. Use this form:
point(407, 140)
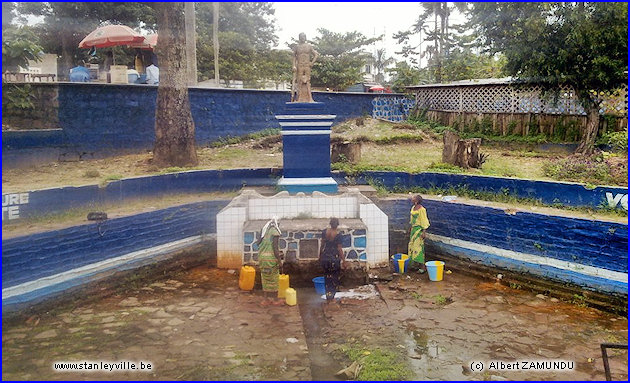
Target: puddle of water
point(323, 365)
point(429, 359)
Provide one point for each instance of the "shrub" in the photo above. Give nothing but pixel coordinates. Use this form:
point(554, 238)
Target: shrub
point(617, 140)
point(593, 170)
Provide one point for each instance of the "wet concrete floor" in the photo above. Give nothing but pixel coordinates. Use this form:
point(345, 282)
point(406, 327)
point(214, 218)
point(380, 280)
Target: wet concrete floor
point(197, 325)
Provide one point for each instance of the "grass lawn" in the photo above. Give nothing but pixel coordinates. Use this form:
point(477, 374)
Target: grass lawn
point(386, 146)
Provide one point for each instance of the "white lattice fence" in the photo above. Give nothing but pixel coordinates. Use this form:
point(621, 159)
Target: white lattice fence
point(505, 98)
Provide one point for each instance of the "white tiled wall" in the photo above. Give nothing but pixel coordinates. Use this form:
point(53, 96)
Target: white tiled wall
point(230, 234)
point(290, 207)
point(377, 234)
point(246, 207)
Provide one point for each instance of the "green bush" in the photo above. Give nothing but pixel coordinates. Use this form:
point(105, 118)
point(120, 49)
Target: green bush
point(617, 140)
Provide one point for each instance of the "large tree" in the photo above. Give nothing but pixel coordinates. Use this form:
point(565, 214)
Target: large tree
point(65, 24)
point(174, 126)
point(246, 35)
point(342, 56)
point(580, 44)
point(433, 26)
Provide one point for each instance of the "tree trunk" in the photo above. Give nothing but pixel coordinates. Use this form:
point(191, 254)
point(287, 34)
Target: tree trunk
point(174, 126)
point(67, 63)
point(346, 152)
point(462, 153)
point(587, 143)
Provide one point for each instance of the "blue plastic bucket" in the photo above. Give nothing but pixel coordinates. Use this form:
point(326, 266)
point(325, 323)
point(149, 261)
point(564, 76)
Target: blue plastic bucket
point(320, 285)
point(436, 270)
point(399, 257)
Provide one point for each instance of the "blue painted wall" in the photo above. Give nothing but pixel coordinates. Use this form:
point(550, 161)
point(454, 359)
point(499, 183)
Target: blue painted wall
point(39, 255)
point(56, 200)
point(106, 117)
point(588, 242)
point(548, 192)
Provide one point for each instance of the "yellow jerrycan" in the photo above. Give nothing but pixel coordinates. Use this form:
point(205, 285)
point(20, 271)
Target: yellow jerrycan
point(246, 278)
point(283, 284)
point(291, 297)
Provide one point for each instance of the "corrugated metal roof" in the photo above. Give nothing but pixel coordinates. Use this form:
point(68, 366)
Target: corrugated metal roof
point(481, 81)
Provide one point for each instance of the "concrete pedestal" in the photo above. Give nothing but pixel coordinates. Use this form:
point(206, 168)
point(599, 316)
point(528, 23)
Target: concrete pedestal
point(306, 148)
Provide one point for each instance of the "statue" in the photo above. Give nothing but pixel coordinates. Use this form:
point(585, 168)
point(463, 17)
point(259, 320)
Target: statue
point(302, 64)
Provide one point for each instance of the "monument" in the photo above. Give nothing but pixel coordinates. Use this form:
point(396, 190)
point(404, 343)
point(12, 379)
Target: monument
point(305, 131)
point(309, 197)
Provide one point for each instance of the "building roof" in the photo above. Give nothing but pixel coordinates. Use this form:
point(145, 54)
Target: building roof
point(481, 81)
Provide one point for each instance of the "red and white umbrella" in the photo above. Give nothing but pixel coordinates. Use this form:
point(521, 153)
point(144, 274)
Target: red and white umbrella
point(150, 41)
point(111, 35)
point(376, 88)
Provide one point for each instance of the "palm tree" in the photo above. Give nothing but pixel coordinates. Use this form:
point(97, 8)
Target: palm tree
point(380, 62)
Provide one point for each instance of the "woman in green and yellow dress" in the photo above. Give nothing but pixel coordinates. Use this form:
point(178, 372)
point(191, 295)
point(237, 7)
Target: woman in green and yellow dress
point(419, 223)
point(269, 261)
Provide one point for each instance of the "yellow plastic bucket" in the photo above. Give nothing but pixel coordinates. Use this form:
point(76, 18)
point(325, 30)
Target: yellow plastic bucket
point(435, 270)
point(291, 297)
point(283, 284)
point(246, 278)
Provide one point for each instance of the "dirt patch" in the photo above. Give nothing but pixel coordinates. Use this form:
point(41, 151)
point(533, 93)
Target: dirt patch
point(197, 325)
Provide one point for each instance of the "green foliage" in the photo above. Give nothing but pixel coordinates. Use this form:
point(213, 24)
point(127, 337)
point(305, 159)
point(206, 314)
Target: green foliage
point(19, 44)
point(463, 64)
point(229, 140)
point(378, 364)
point(341, 58)
point(246, 35)
point(17, 100)
point(593, 170)
point(65, 24)
point(445, 168)
point(617, 140)
point(403, 75)
point(582, 44)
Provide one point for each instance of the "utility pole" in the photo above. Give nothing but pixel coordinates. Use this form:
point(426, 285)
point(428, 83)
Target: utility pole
point(191, 43)
point(215, 40)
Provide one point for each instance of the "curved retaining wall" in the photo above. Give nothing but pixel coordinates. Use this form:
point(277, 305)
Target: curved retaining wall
point(29, 204)
point(587, 253)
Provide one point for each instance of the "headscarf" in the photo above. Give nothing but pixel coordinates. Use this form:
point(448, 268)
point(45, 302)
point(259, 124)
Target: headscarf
point(272, 221)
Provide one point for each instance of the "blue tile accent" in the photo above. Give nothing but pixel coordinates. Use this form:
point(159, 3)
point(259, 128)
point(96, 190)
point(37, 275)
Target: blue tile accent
point(293, 245)
point(310, 235)
point(255, 246)
point(346, 240)
point(248, 237)
point(359, 242)
point(298, 235)
point(352, 254)
point(282, 244)
point(363, 257)
point(358, 232)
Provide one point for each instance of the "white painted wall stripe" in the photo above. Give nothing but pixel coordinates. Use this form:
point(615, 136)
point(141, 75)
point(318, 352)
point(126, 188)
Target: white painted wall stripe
point(306, 117)
point(536, 259)
point(65, 276)
point(306, 123)
point(305, 132)
point(307, 181)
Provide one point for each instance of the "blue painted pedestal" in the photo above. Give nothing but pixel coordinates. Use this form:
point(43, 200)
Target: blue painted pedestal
point(306, 148)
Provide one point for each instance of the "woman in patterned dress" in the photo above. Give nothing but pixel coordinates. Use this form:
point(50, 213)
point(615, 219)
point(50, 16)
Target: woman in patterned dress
point(419, 223)
point(269, 261)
